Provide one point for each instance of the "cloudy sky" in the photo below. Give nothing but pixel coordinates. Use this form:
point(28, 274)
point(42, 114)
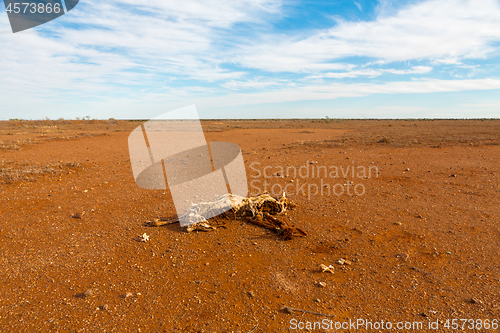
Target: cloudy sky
point(256, 59)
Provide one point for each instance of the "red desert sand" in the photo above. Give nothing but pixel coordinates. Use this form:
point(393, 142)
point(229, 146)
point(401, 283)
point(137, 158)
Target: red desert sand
point(401, 217)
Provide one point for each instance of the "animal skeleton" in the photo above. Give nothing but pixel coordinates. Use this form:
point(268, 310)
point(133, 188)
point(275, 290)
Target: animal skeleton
point(258, 210)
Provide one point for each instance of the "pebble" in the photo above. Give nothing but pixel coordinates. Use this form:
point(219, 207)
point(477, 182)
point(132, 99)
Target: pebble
point(76, 216)
point(128, 294)
point(322, 284)
point(475, 301)
point(403, 255)
point(88, 293)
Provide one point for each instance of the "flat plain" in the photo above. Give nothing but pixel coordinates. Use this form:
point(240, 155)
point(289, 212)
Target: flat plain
point(419, 234)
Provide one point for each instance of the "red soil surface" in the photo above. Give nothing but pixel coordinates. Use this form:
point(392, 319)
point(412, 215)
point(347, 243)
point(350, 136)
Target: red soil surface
point(423, 239)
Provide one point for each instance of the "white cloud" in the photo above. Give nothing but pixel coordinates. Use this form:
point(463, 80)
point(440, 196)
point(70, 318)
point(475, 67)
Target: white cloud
point(443, 31)
point(177, 98)
point(413, 70)
point(118, 48)
point(371, 73)
point(218, 13)
point(127, 51)
point(336, 90)
point(359, 6)
point(254, 84)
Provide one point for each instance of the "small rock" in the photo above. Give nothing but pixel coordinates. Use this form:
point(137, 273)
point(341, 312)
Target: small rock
point(317, 300)
point(105, 307)
point(251, 293)
point(398, 223)
point(453, 175)
point(286, 309)
point(76, 216)
point(475, 301)
point(88, 293)
point(407, 169)
point(128, 294)
point(322, 284)
point(403, 256)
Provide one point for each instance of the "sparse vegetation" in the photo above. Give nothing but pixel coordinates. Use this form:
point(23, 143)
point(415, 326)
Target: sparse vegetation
point(14, 172)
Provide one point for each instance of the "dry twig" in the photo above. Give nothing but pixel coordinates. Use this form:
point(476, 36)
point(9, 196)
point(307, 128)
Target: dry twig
point(255, 327)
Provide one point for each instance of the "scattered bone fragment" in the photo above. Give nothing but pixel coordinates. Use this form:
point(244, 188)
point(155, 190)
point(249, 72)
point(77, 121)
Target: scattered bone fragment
point(343, 261)
point(143, 238)
point(325, 268)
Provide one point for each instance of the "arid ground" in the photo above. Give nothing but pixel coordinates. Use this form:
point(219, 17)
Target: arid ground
point(421, 233)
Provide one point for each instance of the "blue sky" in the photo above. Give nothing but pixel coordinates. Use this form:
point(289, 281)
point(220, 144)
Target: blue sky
point(256, 59)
